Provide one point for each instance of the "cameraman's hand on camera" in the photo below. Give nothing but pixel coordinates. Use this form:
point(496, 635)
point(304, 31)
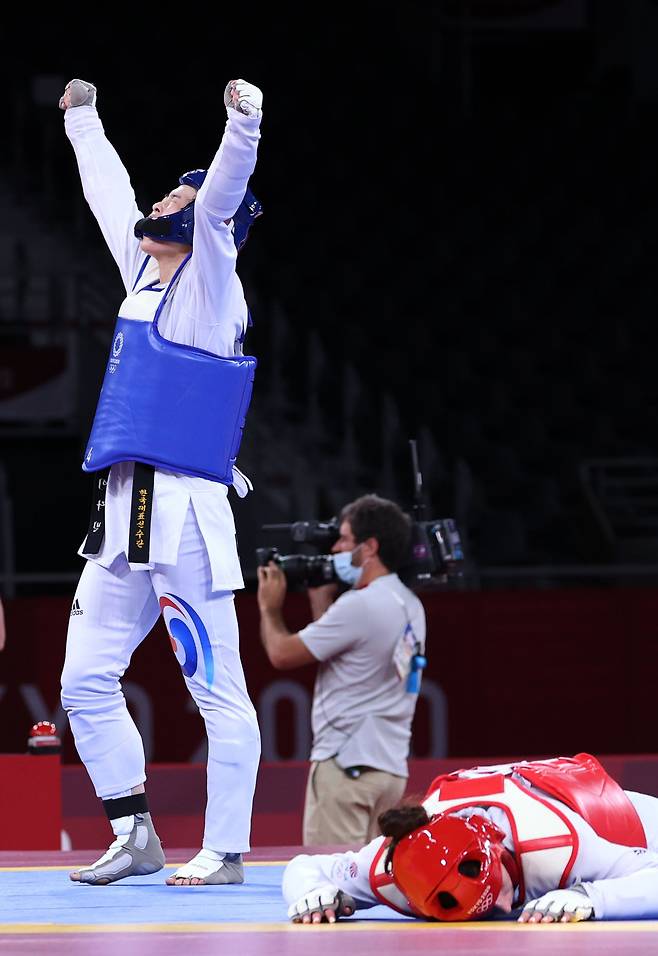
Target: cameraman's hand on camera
point(321, 598)
point(272, 587)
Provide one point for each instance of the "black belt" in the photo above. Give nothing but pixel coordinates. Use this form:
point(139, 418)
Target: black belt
point(139, 532)
point(96, 530)
point(355, 772)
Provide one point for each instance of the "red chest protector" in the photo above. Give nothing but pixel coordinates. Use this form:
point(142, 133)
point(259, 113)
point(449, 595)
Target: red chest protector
point(582, 784)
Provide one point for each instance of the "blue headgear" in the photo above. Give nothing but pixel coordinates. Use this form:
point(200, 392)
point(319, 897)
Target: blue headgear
point(179, 226)
point(248, 210)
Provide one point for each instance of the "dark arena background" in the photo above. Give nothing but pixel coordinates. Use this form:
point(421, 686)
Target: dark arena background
point(457, 254)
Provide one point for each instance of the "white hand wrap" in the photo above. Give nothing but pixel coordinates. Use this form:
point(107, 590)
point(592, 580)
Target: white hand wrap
point(80, 93)
point(243, 96)
point(575, 904)
point(325, 897)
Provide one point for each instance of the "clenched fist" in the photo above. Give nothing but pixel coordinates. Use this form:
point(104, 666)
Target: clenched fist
point(78, 93)
point(243, 96)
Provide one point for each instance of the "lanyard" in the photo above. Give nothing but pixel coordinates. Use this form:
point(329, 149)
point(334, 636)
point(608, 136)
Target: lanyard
point(408, 657)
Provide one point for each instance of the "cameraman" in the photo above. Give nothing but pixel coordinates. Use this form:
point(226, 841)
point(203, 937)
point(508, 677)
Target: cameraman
point(366, 640)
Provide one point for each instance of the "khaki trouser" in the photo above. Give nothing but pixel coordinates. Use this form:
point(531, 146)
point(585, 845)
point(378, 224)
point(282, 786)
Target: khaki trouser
point(339, 809)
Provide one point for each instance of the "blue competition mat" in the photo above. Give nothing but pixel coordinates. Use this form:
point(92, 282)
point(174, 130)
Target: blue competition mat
point(47, 896)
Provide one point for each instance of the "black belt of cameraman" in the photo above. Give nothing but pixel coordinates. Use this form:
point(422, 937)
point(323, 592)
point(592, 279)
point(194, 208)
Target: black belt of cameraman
point(355, 772)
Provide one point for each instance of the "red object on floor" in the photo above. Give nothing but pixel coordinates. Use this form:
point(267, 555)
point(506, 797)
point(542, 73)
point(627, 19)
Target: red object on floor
point(30, 802)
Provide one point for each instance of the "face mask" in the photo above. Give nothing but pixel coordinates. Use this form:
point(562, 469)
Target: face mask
point(345, 570)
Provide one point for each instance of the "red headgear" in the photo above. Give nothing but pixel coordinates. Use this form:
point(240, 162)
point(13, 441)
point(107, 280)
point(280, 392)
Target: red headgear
point(450, 869)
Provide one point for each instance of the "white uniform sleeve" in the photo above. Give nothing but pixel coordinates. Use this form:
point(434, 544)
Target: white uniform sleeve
point(621, 881)
point(233, 164)
point(346, 871)
point(209, 286)
point(107, 188)
point(631, 891)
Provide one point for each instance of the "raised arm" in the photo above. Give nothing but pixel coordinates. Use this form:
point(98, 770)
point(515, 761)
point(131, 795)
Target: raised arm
point(235, 160)
point(213, 289)
point(105, 182)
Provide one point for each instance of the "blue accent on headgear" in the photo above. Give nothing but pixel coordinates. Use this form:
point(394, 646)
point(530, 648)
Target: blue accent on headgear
point(176, 227)
point(179, 226)
point(194, 178)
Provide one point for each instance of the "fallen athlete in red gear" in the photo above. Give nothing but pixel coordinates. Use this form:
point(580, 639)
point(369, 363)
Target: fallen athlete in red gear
point(543, 841)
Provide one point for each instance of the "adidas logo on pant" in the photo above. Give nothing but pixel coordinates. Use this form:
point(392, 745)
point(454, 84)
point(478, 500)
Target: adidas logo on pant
point(76, 609)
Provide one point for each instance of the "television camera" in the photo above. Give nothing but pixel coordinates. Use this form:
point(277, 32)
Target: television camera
point(436, 557)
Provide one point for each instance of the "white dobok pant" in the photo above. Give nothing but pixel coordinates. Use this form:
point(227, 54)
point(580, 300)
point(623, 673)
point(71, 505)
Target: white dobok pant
point(118, 609)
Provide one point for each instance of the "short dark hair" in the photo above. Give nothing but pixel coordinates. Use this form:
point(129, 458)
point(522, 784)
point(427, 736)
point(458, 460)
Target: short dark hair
point(373, 517)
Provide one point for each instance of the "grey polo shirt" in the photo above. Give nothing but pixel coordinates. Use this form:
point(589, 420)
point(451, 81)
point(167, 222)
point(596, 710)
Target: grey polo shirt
point(362, 711)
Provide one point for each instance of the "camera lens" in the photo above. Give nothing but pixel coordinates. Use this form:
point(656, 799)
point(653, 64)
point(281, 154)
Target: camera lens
point(265, 555)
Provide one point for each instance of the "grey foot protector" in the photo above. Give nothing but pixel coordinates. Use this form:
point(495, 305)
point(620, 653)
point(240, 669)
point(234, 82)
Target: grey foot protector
point(230, 870)
point(140, 855)
point(212, 872)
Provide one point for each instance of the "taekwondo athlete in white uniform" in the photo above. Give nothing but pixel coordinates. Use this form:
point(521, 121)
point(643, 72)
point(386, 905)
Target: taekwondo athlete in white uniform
point(544, 841)
point(162, 448)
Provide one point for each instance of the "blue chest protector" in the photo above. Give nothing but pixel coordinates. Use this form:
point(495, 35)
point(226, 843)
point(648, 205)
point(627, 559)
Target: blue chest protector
point(172, 406)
